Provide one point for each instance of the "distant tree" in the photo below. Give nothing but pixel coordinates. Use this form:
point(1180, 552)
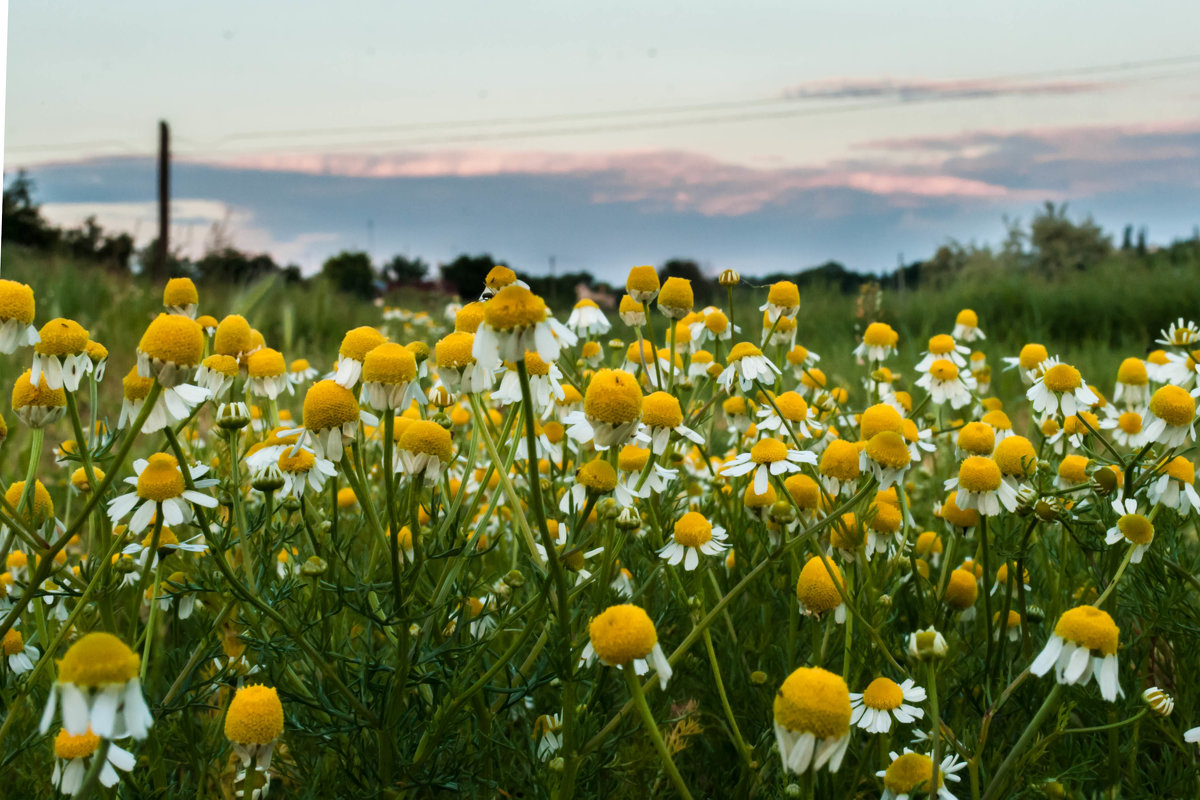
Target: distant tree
point(351, 272)
point(176, 266)
point(1060, 244)
point(1127, 239)
point(702, 287)
point(23, 223)
point(230, 265)
point(404, 270)
point(467, 273)
point(1141, 241)
point(292, 274)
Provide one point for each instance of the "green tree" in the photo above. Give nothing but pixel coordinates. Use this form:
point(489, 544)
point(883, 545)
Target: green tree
point(702, 287)
point(351, 272)
point(404, 270)
point(1060, 244)
point(466, 273)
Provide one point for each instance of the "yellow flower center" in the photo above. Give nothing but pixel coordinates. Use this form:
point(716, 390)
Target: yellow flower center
point(962, 589)
point(1136, 528)
point(884, 694)
point(67, 746)
point(622, 633)
point(768, 451)
point(1132, 372)
point(997, 419)
point(797, 355)
point(888, 449)
point(424, 436)
point(300, 463)
point(661, 410)
point(180, 292)
point(1015, 456)
point(630, 306)
point(13, 642)
point(784, 294)
point(642, 279)
point(1074, 469)
point(840, 461)
point(498, 277)
point(967, 318)
point(693, 530)
point(880, 334)
point(389, 363)
point(1181, 469)
point(360, 341)
point(1090, 627)
point(792, 406)
point(804, 490)
point(958, 517)
point(597, 475)
point(1173, 405)
point(25, 394)
point(613, 396)
point(233, 336)
point(16, 302)
point(468, 318)
point(255, 716)
point(96, 351)
point(514, 307)
point(225, 365)
point(814, 700)
point(979, 474)
point(815, 589)
point(977, 438)
point(328, 405)
point(813, 378)
point(161, 479)
point(878, 418)
point(909, 772)
point(716, 321)
point(943, 370)
point(941, 345)
point(1074, 424)
point(1031, 355)
point(886, 517)
point(742, 350)
point(62, 337)
point(632, 458)
point(454, 351)
point(1130, 422)
point(98, 659)
point(1062, 378)
point(676, 293)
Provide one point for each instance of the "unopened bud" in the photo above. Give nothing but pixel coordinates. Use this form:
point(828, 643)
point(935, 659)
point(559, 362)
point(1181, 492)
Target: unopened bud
point(729, 277)
point(514, 578)
point(607, 508)
point(629, 519)
point(314, 567)
point(927, 645)
point(268, 479)
point(758, 677)
point(233, 416)
point(1159, 701)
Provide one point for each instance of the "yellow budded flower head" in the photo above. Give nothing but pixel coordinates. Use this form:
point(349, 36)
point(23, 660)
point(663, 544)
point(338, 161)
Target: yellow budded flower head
point(233, 336)
point(37, 406)
point(816, 590)
point(783, 298)
point(180, 297)
point(255, 716)
point(958, 517)
point(1073, 469)
point(661, 410)
point(468, 317)
point(499, 277)
point(62, 337)
point(840, 461)
point(16, 316)
point(756, 501)
point(208, 323)
point(1133, 372)
point(622, 634)
point(597, 476)
point(328, 405)
point(613, 406)
point(1032, 355)
point(40, 508)
point(642, 283)
point(632, 458)
point(265, 363)
point(346, 498)
point(514, 307)
point(878, 418)
point(979, 474)
point(79, 478)
point(170, 347)
point(675, 299)
point(812, 703)
point(631, 311)
point(977, 438)
point(429, 438)
point(98, 659)
point(804, 491)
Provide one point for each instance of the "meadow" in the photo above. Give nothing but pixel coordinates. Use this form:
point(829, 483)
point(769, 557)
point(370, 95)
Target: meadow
point(505, 550)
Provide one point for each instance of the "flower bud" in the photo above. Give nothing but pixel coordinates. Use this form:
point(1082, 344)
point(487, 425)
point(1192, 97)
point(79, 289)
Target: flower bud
point(232, 416)
point(1159, 701)
point(729, 277)
point(927, 645)
point(514, 578)
point(629, 519)
point(758, 677)
point(607, 508)
point(314, 567)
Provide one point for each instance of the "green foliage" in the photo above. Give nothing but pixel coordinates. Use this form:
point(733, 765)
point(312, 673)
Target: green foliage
point(350, 272)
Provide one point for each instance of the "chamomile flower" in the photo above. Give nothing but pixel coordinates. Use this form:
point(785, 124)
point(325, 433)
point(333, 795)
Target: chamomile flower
point(1169, 417)
point(712, 326)
point(517, 321)
point(354, 348)
point(37, 404)
point(60, 355)
point(747, 365)
point(812, 720)
point(170, 350)
point(217, 374)
point(874, 708)
point(789, 412)
point(642, 283)
point(783, 300)
point(943, 348)
point(72, 758)
point(886, 456)
point(1084, 643)
point(98, 353)
point(840, 467)
point(612, 409)
point(100, 689)
point(303, 471)
point(180, 297)
point(1133, 383)
point(331, 416)
point(594, 478)
point(766, 458)
point(1180, 334)
point(389, 378)
point(159, 481)
point(692, 536)
point(662, 416)
point(168, 543)
point(20, 656)
point(1060, 387)
point(625, 634)
point(547, 730)
point(16, 316)
point(425, 451)
point(1028, 362)
point(910, 773)
point(966, 326)
point(981, 486)
point(254, 723)
point(801, 359)
point(945, 381)
point(587, 319)
point(545, 384)
point(266, 373)
point(1176, 486)
point(457, 367)
point(878, 343)
point(631, 312)
point(816, 591)
point(300, 371)
point(174, 404)
point(962, 590)
point(1132, 527)
point(701, 365)
point(1126, 429)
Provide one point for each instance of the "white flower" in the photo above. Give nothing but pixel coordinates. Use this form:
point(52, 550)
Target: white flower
point(746, 365)
point(1132, 527)
point(13, 335)
point(1060, 386)
point(68, 774)
point(174, 405)
point(873, 709)
point(60, 372)
point(1088, 646)
point(156, 490)
point(768, 457)
point(1180, 334)
point(692, 536)
point(587, 319)
point(947, 769)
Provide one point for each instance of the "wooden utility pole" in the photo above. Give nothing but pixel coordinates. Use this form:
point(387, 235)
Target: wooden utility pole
point(164, 198)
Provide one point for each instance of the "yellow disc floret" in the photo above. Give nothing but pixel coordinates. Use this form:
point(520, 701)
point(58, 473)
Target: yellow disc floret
point(41, 506)
point(909, 772)
point(1132, 372)
point(1173, 405)
point(888, 449)
point(514, 307)
point(98, 659)
point(328, 405)
point(389, 363)
point(883, 693)
point(943, 370)
point(597, 476)
point(468, 318)
point(1062, 378)
point(840, 461)
point(1090, 627)
point(360, 341)
point(962, 589)
point(255, 716)
point(1032, 355)
point(180, 292)
point(693, 530)
point(25, 394)
point(643, 279)
point(67, 746)
point(455, 350)
point(768, 451)
point(815, 589)
point(977, 438)
point(979, 474)
point(661, 410)
point(878, 418)
point(621, 634)
point(16, 302)
point(880, 334)
point(784, 294)
point(1136, 528)
point(161, 479)
point(62, 337)
point(425, 436)
point(613, 396)
point(814, 700)
point(233, 336)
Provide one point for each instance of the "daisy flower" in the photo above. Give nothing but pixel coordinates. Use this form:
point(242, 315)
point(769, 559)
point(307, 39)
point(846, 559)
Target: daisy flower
point(170, 350)
point(498, 278)
point(883, 699)
point(1060, 386)
point(1084, 643)
point(389, 378)
point(16, 316)
point(1169, 417)
point(425, 450)
point(20, 656)
point(789, 412)
point(768, 457)
point(72, 757)
point(587, 319)
point(692, 535)
point(662, 416)
point(713, 325)
point(517, 321)
point(168, 543)
point(1133, 383)
point(254, 723)
point(159, 481)
point(547, 730)
point(354, 348)
point(1028, 362)
point(886, 456)
point(1176, 486)
point(981, 486)
point(783, 300)
point(612, 409)
point(943, 348)
point(591, 353)
point(217, 373)
point(878, 343)
point(966, 326)
point(300, 371)
point(812, 720)
point(457, 367)
point(642, 283)
point(624, 634)
point(180, 297)
point(266, 373)
point(1127, 429)
point(303, 470)
point(1180, 334)
point(801, 359)
point(945, 381)
point(36, 404)
point(910, 773)
point(839, 467)
point(545, 384)
point(100, 689)
point(331, 416)
point(631, 312)
point(60, 355)
point(1132, 527)
point(595, 478)
point(816, 591)
point(174, 404)
point(746, 364)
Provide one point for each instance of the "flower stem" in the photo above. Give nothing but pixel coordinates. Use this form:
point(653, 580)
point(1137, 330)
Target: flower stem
point(743, 749)
point(936, 733)
point(1113, 583)
point(999, 780)
point(639, 700)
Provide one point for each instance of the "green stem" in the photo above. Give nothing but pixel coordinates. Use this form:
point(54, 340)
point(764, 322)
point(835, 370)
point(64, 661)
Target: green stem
point(1113, 583)
point(1000, 779)
point(936, 733)
point(639, 700)
point(743, 749)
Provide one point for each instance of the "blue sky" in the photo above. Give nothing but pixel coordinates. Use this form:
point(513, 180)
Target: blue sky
point(752, 134)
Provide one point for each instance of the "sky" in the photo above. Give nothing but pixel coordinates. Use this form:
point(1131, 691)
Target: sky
point(757, 135)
